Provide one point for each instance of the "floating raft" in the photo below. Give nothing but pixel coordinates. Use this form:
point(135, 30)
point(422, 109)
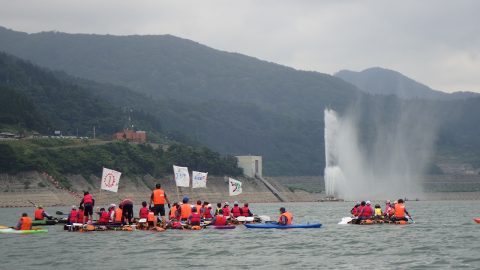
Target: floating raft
point(277, 226)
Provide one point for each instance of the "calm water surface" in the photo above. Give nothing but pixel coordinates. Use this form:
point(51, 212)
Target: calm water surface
point(444, 236)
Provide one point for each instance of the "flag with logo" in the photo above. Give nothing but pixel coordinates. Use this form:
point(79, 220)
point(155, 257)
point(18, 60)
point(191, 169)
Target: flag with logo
point(110, 180)
point(199, 179)
point(182, 178)
point(234, 187)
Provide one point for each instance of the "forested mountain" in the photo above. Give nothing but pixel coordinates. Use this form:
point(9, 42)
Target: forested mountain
point(232, 103)
point(388, 82)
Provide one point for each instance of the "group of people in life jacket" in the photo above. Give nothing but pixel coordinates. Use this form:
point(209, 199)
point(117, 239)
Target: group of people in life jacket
point(25, 222)
point(393, 212)
point(180, 215)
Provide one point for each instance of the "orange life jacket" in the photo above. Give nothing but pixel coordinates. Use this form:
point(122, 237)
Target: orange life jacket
point(26, 223)
point(158, 196)
point(186, 211)
point(118, 215)
point(399, 210)
point(289, 217)
point(151, 216)
point(39, 214)
point(173, 212)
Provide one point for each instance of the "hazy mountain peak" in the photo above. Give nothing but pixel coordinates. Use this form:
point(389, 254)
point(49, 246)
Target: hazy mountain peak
point(382, 81)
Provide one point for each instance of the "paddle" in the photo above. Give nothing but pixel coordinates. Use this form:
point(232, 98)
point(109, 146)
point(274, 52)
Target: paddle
point(410, 217)
point(33, 204)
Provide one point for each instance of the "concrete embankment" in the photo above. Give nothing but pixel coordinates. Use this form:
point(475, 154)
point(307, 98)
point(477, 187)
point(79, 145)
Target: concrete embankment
point(17, 190)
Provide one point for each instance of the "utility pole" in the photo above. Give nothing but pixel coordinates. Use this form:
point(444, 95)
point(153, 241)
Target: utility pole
point(94, 132)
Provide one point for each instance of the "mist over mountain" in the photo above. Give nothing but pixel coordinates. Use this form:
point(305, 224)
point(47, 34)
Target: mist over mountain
point(233, 103)
point(389, 82)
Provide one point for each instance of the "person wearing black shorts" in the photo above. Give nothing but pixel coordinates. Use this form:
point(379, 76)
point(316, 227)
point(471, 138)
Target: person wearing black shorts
point(158, 198)
point(88, 202)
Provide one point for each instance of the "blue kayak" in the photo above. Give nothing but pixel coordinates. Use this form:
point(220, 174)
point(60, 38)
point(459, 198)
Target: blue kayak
point(277, 226)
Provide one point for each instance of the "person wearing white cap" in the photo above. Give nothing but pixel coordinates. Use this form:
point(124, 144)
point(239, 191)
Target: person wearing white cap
point(366, 211)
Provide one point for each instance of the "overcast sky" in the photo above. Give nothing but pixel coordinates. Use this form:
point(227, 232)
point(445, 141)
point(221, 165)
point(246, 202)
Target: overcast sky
point(435, 42)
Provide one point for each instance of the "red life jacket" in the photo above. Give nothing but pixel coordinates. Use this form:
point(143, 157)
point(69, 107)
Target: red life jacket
point(195, 217)
point(367, 211)
point(80, 216)
point(143, 212)
point(226, 211)
point(220, 221)
point(104, 217)
point(359, 210)
point(39, 214)
point(354, 210)
point(236, 212)
point(245, 211)
point(88, 199)
point(74, 216)
point(207, 213)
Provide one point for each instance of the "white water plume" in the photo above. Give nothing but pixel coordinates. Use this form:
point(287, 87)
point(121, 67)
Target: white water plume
point(387, 165)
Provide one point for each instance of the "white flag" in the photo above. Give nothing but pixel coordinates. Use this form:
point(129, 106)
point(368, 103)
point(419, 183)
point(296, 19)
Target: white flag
point(182, 178)
point(234, 187)
point(110, 180)
point(199, 179)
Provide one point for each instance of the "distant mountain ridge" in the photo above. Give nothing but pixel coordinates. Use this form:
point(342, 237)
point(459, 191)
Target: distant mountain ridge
point(381, 81)
point(230, 102)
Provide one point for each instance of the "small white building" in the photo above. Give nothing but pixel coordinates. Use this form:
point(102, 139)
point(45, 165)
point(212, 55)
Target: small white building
point(251, 165)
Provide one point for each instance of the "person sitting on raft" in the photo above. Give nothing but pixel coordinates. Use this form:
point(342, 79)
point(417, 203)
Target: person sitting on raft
point(219, 207)
point(25, 223)
point(118, 215)
point(40, 214)
point(236, 211)
point(127, 210)
point(226, 210)
point(378, 212)
point(194, 219)
point(199, 208)
point(111, 212)
point(246, 211)
point(174, 212)
point(143, 213)
point(220, 219)
point(104, 217)
point(80, 214)
point(355, 209)
point(207, 214)
point(388, 209)
point(73, 216)
point(185, 209)
point(285, 218)
point(366, 211)
point(88, 203)
point(400, 211)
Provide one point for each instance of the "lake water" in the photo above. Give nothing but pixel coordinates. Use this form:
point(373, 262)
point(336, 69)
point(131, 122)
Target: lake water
point(444, 236)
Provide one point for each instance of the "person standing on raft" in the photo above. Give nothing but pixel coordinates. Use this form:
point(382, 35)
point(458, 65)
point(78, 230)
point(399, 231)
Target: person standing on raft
point(158, 198)
point(25, 223)
point(285, 218)
point(88, 203)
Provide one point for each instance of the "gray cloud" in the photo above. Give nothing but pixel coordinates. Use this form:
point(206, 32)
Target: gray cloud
point(434, 42)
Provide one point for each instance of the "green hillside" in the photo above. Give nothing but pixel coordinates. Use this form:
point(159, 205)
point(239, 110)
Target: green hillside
point(233, 103)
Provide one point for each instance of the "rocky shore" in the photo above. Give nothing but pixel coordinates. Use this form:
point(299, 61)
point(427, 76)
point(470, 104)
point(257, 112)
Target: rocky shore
point(40, 188)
